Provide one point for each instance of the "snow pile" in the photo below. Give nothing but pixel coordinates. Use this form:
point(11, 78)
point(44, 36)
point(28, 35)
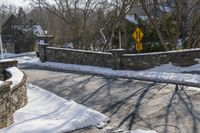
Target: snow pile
point(16, 75)
point(48, 113)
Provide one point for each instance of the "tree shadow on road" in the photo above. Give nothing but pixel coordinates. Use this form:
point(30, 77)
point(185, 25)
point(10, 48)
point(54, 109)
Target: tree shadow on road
point(180, 106)
point(124, 101)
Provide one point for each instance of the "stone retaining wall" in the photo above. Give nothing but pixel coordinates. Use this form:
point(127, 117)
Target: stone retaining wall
point(118, 59)
point(11, 98)
point(181, 58)
point(19, 95)
point(82, 57)
point(6, 114)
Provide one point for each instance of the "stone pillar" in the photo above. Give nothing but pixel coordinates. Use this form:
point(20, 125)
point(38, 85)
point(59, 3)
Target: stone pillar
point(42, 52)
point(117, 58)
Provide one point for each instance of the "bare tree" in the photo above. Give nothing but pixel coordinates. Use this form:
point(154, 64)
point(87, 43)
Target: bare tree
point(75, 14)
point(180, 20)
point(193, 24)
point(83, 23)
point(5, 12)
point(116, 16)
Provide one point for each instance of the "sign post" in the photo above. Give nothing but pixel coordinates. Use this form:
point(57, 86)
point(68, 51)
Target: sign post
point(138, 35)
point(1, 46)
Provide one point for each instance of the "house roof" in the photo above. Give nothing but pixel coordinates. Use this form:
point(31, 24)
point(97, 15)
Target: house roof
point(37, 29)
point(132, 19)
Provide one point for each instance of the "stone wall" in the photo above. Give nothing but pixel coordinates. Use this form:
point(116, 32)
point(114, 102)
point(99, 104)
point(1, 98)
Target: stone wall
point(6, 114)
point(12, 98)
point(82, 57)
point(19, 95)
point(144, 61)
point(117, 59)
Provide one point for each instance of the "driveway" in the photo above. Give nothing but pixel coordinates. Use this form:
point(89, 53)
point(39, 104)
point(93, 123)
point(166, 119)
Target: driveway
point(131, 104)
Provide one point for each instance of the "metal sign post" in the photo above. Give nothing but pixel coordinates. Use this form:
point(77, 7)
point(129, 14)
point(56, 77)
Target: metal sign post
point(120, 40)
point(1, 45)
point(139, 47)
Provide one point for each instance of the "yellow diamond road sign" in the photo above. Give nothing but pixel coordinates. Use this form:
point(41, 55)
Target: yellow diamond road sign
point(138, 34)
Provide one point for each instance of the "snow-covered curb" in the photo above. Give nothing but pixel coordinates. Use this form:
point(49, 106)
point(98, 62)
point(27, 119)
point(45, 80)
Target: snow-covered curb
point(48, 113)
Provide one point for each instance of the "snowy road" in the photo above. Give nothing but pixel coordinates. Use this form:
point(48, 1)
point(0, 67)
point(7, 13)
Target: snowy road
point(130, 104)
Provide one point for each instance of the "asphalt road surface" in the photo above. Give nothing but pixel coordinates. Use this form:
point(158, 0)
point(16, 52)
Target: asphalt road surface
point(131, 104)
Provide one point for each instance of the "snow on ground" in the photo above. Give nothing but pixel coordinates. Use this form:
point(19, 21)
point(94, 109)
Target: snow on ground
point(45, 114)
point(175, 69)
point(13, 55)
point(109, 129)
point(165, 73)
point(30, 58)
point(48, 113)
point(26, 60)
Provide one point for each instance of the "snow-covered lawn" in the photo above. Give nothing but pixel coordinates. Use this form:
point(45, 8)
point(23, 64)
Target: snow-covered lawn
point(48, 113)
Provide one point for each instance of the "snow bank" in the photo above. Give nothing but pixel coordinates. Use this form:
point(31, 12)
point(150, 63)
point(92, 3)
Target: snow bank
point(16, 75)
point(48, 113)
point(165, 73)
point(175, 69)
point(148, 75)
